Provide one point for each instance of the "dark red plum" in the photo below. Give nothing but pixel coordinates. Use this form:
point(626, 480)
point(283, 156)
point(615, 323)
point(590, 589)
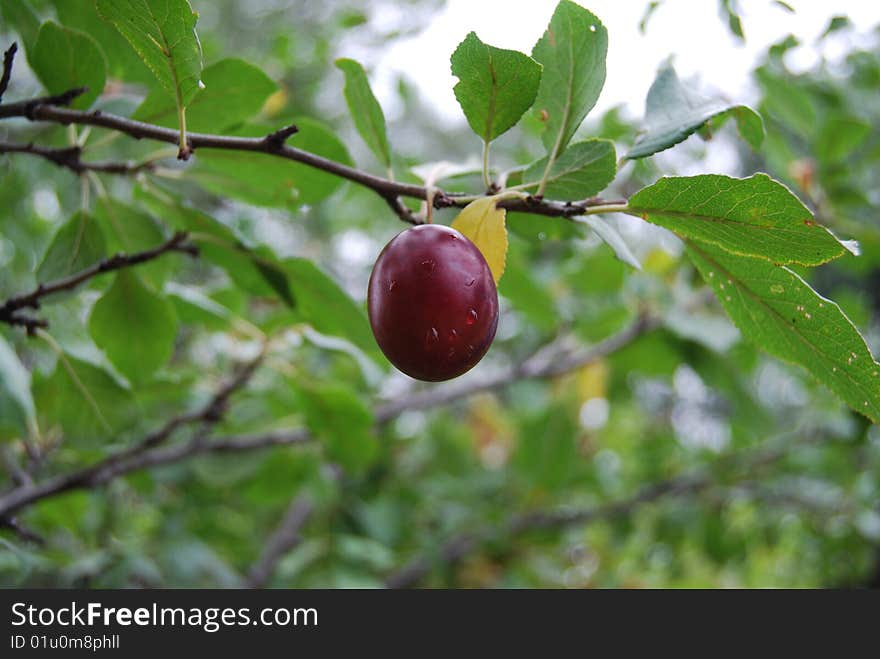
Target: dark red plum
point(432, 302)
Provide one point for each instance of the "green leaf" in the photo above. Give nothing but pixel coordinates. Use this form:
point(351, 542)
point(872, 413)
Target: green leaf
point(646, 16)
point(134, 327)
point(777, 310)
point(784, 6)
point(365, 109)
point(123, 63)
point(546, 449)
point(329, 309)
point(65, 58)
point(734, 22)
point(787, 101)
point(265, 180)
point(343, 422)
point(674, 111)
point(584, 169)
point(78, 244)
point(193, 306)
point(526, 292)
point(22, 18)
point(254, 270)
point(611, 237)
point(749, 124)
point(163, 34)
point(495, 86)
point(275, 277)
point(17, 414)
point(755, 216)
point(83, 400)
point(572, 52)
point(839, 22)
point(234, 91)
point(840, 136)
point(129, 229)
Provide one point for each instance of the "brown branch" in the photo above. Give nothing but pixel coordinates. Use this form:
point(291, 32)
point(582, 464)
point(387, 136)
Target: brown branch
point(155, 456)
point(279, 137)
point(17, 474)
point(9, 311)
point(539, 366)
point(26, 108)
point(30, 324)
point(273, 145)
point(8, 59)
point(21, 531)
point(145, 453)
point(400, 209)
point(70, 157)
point(283, 540)
point(463, 544)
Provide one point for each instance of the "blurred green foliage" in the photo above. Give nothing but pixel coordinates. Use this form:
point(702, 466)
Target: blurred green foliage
point(676, 401)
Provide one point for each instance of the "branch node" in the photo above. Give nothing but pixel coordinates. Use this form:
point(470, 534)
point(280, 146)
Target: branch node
point(400, 208)
point(65, 98)
point(277, 139)
point(443, 200)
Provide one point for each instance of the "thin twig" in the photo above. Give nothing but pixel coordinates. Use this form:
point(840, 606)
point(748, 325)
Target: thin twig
point(273, 145)
point(463, 544)
point(283, 540)
point(21, 531)
point(540, 366)
point(113, 466)
point(70, 157)
point(147, 452)
point(9, 311)
point(8, 59)
point(17, 474)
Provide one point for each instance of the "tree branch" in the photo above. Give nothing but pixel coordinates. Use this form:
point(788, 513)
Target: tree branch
point(149, 455)
point(9, 311)
point(46, 109)
point(21, 531)
point(145, 453)
point(463, 544)
point(285, 538)
point(539, 366)
point(69, 157)
point(8, 59)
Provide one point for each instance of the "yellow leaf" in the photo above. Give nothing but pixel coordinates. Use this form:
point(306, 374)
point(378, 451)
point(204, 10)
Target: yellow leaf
point(275, 103)
point(592, 381)
point(484, 225)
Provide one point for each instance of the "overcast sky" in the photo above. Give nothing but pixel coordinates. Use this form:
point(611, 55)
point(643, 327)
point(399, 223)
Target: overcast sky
point(691, 30)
